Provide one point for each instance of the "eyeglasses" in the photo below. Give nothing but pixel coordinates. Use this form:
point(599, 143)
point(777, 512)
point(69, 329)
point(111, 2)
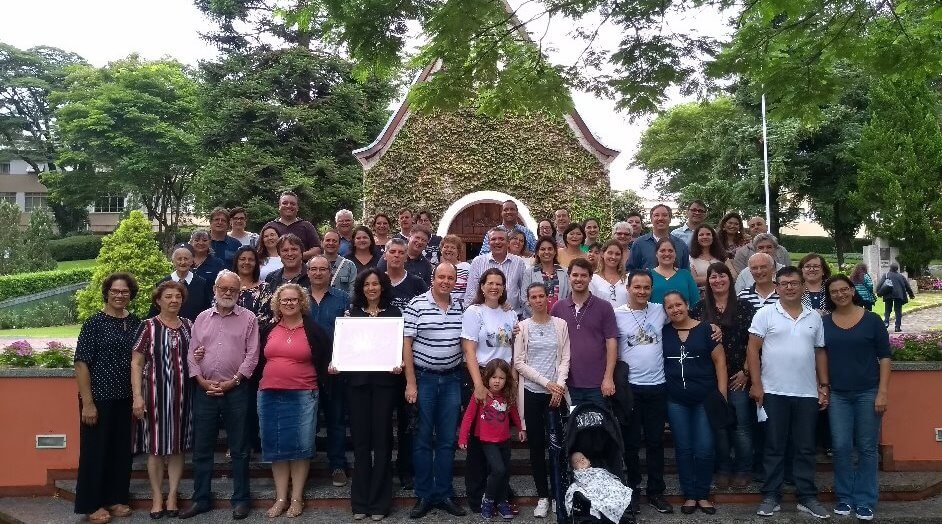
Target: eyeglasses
point(842, 291)
point(119, 292)
point(813, 267)
point(289, 300)
point(790, 284)
point(227, 290)
point(698, 211)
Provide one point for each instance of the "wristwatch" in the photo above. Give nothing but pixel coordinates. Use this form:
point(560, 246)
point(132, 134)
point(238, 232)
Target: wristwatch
point(236, 379)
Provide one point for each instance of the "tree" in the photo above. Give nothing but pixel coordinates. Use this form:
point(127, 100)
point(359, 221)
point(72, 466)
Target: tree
point(625, 202)
point(24, 251)
point(27, 77)
point(133, 249)
point(900, 156)
point(131, 127)
point(11, 240)
point(282, 116)
point(35, 246)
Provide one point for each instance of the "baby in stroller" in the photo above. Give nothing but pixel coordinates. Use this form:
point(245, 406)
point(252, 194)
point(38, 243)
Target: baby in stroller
point(597, 493)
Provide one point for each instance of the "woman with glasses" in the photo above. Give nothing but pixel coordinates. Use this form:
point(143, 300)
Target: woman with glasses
point(162, 394)
point(814, 270)
point(858, 349)
point(293, 357)
point(608, 282)
point(547, 271)
point(102, 370)
point(237, 221)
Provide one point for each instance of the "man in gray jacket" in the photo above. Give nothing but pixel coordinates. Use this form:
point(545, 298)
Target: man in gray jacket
point(896, 291)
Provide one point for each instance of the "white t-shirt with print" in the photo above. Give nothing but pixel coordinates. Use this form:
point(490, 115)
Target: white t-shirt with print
point(492, 329)
point(639, 343)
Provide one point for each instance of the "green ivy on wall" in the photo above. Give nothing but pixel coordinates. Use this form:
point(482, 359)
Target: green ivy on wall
point(439, 157)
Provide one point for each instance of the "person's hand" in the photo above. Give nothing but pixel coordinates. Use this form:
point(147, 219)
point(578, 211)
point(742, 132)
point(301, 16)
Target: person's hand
point(725, 395)
point(331, 370)
point(480, 392)
point(396, 370)
point(412, 393)
point(522, 435)
point(199, 353)
point(879, 405)
point(137, 407)
point(462, 446)
point(555, 400)
point(738, 381)
point(756, 393)
point(555, 389)
point(506, 306)
point(822, 398)
point(717, 335)
point(212, 388)
point(89, 413)
point(608, 387)
point(516, 330)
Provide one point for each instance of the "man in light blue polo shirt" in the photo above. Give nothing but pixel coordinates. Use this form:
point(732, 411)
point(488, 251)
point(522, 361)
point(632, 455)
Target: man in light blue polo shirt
point(789, 372)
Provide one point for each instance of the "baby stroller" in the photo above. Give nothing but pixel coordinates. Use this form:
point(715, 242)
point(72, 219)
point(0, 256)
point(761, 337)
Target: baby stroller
point(594, 431)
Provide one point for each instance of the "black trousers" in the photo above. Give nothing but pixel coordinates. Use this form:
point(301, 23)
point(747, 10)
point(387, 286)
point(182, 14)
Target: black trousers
point(371, 412)
point(404, 466)
point(648, 414)
point(896, 306)
point(104, 471)
point(497, 456)
point(536, 410)
point(792, 420)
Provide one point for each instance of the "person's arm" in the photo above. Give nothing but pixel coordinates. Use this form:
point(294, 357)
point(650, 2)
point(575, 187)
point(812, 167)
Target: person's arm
point(85, 350)
point(821, 369)
point(409, 366)
point(470, 347)
point(251, 351)
point(520, 363)
point(137, 375)
point(611, 357)
point(718, 355)
point(909, 289)
point(470, 292)
point(683, 254)
point(697, 277)
point(464, 433)
point(753, 360)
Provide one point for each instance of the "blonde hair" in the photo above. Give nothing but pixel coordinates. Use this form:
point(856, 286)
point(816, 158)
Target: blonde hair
point(600, 264)
point(276, 300)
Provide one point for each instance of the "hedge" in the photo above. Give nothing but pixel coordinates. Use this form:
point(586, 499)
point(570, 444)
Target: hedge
point(809, 244)
point(12, 286)
point(79, 247)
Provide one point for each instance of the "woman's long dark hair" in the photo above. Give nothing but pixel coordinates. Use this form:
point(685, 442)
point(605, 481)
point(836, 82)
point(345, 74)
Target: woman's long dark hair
point(479, 297)
point(828, 303)
point(857, 277)
point(536, 251)
point(710, 314)
point(716, 249)
point(369, 233)
point(257, 271)
point(740, 237)
point(385, 296)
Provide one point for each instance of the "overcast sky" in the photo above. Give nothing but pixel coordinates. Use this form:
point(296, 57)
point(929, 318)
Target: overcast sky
point(106, 30)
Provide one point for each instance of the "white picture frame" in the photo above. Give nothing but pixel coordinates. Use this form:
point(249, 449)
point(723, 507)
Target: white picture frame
point(367, 344)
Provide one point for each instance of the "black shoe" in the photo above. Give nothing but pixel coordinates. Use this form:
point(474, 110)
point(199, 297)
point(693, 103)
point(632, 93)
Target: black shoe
point(688, 510)
point(709, 510)
point(450, 506)
point(195, 509)
point(240, 511)
point(172, 513)
point(421, 508)
point(406, 483)
point(633, 506)
point(157, 515)
point(659, 503)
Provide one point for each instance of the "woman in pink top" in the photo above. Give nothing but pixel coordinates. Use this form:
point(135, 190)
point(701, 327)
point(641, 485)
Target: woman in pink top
point(293, 357)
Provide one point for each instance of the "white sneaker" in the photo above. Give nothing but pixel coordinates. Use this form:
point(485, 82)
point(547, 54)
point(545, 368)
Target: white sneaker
point(542, 508)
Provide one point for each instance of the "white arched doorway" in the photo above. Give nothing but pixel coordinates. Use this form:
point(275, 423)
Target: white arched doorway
point(487, 197)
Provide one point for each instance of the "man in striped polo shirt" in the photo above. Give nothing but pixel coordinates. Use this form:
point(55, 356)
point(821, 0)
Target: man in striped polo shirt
point(432, 358)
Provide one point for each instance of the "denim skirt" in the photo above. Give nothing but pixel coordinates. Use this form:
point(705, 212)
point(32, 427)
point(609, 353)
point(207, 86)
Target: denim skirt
point(286, 420)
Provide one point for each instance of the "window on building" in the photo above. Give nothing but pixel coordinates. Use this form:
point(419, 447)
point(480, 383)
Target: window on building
point(109, 204)
point(8, 197)
point(36, 201)
point(4, 168)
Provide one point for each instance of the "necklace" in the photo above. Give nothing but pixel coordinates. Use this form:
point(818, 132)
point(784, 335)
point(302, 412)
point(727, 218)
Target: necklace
point(291, 331)
point(541, 326)
point(580, 313)
point(641, 337)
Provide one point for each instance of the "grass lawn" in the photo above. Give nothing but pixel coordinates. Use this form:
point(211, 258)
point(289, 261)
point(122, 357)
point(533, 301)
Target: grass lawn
point(923, 300)
point(76, 264)
point(71, 330)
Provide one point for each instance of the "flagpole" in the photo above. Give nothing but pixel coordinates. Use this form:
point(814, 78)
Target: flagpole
point(765, 159)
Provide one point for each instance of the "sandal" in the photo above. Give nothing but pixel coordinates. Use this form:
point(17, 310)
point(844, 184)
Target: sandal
point(297, 507)
point(277, 508)
point(99, 517)
point(120, 510)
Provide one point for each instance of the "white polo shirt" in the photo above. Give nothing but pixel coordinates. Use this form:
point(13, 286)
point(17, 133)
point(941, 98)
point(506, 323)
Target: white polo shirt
point(788, 349)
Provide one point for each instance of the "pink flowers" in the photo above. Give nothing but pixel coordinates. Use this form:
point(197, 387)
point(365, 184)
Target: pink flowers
point(917, 347)
point(21, 348)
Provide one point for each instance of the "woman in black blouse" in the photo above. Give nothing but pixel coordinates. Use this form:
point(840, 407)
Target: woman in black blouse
point(721, 307)
point(364, 253)
point(376, 394)
point(103, 372)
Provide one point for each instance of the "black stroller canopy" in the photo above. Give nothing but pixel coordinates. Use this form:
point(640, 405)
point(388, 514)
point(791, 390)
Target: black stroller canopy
point(593, 431)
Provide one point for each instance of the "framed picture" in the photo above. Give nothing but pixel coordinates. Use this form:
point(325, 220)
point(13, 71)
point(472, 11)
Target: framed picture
point(367, 344)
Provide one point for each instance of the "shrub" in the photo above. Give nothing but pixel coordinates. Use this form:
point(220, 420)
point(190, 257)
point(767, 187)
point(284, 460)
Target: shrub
point(920, 347)
point(132, 248)
point(21, 284)
point(929, 283)
point(42, 315)
point(20, 354)
point(36, 242)
point(79, 247)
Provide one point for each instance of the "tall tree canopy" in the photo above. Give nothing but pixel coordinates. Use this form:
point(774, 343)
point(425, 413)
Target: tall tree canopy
point(284, 113)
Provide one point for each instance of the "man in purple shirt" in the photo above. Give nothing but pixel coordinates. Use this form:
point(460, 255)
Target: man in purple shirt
point(593, 334)
point(223, 354)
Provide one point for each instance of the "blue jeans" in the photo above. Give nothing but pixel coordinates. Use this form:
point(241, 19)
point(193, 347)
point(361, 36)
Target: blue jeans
point(334, 402)
point(855, 424)
point(738, 439)
point(232, 409)
point(582, 395)
point(439, 405)
point(694, 448)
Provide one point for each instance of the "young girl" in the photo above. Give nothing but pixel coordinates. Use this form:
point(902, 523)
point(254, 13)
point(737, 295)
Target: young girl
point(494, 417)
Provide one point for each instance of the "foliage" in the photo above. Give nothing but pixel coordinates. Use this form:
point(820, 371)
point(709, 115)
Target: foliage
point(133, 249)
point(900, 155)
point(22, 284)
point(440, 157)
point(823, 245)
point(712, 151)
point(624, 202)
point(929, 283)
point(20, 354)
point(131, 127)
point(10, 238)
point(36, 242)
point(24, 251)
point(920, 347)
point(42, 315)
point(78, 247)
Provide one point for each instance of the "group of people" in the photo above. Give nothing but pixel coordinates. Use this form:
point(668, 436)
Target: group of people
point(723, 338)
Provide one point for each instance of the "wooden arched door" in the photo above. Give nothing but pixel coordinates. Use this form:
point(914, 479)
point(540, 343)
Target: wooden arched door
point(472, 224)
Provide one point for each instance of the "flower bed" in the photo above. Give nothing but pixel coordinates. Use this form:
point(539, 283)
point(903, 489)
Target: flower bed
point(930, 283)
point(917, 347)
point(21, 354)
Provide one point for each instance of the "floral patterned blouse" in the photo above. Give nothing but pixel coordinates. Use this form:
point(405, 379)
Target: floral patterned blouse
point(735, 336)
